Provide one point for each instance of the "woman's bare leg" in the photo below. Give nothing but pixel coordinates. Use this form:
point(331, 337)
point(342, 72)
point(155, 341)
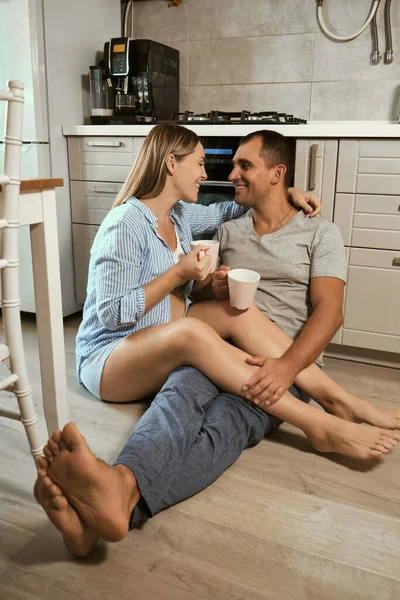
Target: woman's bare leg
point(253, 332)
point(141, 363)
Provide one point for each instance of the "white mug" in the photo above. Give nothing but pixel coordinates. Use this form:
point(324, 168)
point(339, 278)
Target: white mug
point(213, 251)
point(242, 285)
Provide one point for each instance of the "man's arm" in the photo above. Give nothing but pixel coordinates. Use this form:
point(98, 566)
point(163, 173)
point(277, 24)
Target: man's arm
point(327, 301)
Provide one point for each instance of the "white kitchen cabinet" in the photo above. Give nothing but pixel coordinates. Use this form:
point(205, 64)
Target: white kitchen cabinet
point(372, 318)
point(367, 211)
point(315, 170)
point(98, 167)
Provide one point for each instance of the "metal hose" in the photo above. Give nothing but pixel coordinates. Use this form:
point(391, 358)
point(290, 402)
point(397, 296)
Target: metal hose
point(339, 38)
point(375, 56)
point(388, 30)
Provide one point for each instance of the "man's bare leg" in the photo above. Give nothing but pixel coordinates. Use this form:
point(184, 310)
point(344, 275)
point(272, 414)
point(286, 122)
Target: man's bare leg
point(78, 537)
point(102, 496)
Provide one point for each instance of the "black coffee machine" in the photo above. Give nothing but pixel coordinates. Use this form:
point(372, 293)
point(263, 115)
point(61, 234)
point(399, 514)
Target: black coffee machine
point(144, 76)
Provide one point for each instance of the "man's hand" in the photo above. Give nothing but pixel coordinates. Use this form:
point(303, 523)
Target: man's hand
point(271, 381)
point(219, 282)
point(307, 201)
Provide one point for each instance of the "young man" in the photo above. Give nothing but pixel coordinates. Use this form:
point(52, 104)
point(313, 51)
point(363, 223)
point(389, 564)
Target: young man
point(191, 433)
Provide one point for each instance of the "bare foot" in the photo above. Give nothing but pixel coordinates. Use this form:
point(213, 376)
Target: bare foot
point(351, 439)
point(357, 410)
point(103, 496)
point(78, 537)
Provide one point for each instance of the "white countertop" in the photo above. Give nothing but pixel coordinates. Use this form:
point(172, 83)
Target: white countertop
point(317, 129)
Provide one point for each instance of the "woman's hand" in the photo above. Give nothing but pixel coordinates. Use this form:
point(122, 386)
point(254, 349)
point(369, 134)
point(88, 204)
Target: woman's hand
point(196, 265)
point(307, 201)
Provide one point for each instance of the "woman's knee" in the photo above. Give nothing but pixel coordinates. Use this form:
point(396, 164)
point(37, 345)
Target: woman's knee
point(188, 332)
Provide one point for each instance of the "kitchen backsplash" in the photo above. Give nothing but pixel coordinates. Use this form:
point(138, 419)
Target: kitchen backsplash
point(271, 55)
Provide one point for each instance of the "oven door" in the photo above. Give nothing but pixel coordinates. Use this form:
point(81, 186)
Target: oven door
point(212, 192)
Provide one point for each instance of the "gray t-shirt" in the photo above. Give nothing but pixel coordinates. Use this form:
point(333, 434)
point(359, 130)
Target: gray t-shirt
point(286, 260)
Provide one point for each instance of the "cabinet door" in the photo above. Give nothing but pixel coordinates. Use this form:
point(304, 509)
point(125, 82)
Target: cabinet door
point(82, 236)
point(372, 315)
point(315, 170)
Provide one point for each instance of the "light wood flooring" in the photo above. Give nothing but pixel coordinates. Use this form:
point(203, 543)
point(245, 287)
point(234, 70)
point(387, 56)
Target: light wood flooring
point(282, 523)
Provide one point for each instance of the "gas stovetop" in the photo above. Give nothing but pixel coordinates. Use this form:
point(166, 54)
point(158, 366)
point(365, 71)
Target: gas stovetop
point(217, 117)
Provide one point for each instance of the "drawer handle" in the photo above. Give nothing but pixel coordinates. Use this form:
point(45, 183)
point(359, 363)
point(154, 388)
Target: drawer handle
point(396, 262)
point(312, 184)
point(111, 144)
point(100, 190)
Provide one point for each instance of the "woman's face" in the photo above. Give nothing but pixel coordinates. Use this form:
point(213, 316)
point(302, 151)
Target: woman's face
point(189, 173)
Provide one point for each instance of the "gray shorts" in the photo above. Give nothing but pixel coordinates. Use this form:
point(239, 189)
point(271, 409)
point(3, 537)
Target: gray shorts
point(92, 367)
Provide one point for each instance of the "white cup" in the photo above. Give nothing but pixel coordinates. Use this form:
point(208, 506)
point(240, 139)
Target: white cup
point(213, 251)
point(242, 285)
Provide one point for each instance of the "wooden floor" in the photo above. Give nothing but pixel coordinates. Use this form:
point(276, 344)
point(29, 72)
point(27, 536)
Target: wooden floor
point(282, 523)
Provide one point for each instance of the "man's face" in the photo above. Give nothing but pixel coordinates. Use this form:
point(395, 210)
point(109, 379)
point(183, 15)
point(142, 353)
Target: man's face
point(251, 175)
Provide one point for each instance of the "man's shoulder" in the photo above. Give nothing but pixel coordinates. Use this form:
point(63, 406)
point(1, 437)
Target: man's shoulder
point(236, 226)
point(317, 226)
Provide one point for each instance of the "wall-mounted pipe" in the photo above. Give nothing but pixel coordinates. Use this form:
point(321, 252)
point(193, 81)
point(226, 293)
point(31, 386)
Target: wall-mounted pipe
point(339, 38)
point(388, 30)
point(375, 56)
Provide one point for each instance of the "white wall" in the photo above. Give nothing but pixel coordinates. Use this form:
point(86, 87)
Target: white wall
point(271, 55)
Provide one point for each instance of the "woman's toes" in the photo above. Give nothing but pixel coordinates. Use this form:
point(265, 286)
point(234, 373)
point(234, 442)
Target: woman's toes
point(381, 448)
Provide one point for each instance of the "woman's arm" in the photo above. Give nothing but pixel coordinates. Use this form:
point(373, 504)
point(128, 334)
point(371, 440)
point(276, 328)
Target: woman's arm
point(207, 219)
point(122, 298)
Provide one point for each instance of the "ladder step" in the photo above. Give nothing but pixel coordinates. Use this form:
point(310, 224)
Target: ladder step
point(3, 224)
point(4, 179)
point(3, 263)
point(4, 352)
point(7, 381)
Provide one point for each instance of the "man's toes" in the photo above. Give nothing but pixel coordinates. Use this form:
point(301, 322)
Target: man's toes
point(42, 463)
point(54, 448)
point(54, 491)
point(46, 483)
point(59, 503)
point(47, 452)
point(56, 436)
point(36, 490)
point(72, 437)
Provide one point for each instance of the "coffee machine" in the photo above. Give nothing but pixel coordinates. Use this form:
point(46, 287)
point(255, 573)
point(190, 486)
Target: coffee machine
point(144, 77)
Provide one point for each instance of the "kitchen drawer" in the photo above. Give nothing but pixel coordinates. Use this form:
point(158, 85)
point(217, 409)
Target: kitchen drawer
point(368, 229)
point(82, 238)
point(92, 200)
point(383, 205)
point(369, 167)
point(101, 158)
point(372, 300)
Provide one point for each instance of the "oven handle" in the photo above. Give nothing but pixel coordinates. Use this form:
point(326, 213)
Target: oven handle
point(219, 183)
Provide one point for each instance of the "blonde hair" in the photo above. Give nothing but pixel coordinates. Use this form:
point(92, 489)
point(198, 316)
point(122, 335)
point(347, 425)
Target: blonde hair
point(149, 173)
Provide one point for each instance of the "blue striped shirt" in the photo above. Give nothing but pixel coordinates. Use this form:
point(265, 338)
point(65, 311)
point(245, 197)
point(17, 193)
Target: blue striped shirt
point(126, 254)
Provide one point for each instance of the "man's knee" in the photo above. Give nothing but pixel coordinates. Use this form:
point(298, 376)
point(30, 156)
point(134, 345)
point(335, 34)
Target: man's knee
point(190, 382)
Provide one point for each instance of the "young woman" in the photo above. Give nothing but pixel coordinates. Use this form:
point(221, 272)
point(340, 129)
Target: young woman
point(139, 323)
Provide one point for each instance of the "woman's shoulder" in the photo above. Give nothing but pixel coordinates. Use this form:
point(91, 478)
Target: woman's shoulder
point(127, 214)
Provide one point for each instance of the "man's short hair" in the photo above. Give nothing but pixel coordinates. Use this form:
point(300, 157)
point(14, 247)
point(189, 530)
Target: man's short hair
point(276, 150)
